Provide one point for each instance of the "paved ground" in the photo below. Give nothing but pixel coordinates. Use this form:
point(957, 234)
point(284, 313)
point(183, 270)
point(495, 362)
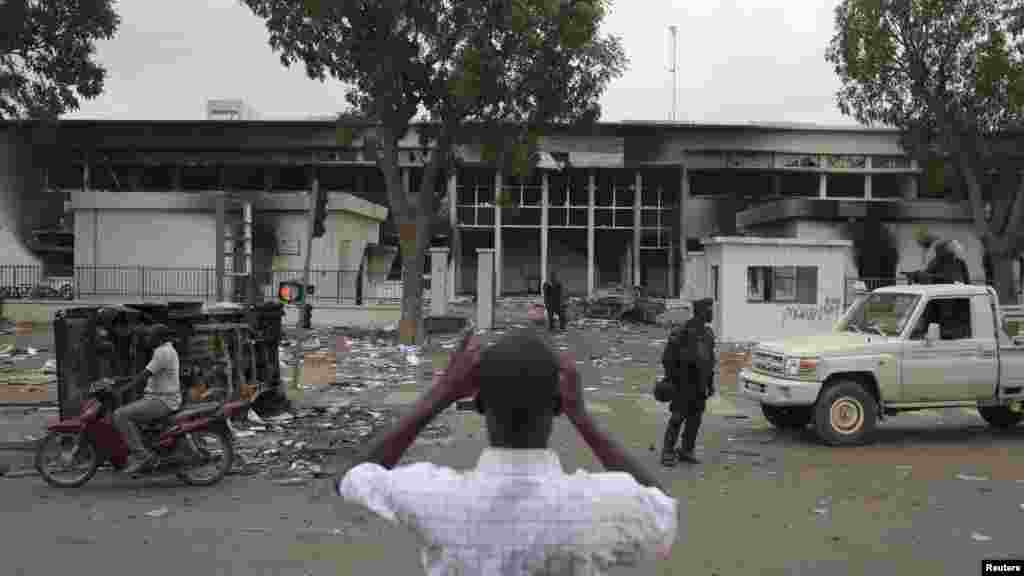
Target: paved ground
point(937, 493)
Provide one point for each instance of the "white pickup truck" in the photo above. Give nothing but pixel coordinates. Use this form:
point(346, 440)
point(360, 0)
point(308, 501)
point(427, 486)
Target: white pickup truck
point(896, 349)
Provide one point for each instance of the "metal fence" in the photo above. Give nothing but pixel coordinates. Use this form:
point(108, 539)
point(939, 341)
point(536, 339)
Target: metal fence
point(146, 282)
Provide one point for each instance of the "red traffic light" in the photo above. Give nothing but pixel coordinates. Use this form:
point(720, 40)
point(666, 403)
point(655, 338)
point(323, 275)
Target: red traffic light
point(290, 292)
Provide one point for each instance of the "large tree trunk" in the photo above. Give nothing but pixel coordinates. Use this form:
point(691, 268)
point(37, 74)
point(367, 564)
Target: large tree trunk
point(1003, 279)
point(414, 236)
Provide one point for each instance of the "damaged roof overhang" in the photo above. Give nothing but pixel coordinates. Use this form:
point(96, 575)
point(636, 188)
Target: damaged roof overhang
point(835, 209)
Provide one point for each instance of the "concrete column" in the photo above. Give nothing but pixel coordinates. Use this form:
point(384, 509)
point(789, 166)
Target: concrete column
point(485, 288)
point(823, 185)
point(636, 227)
point(247, 236)
point(545, 195)
point(910, 190)
point(219, 243)
point(438, 281)
point(498, 260)
point(406, 183)
point(455, 263)
point(672, 287)
point(684, 202)
point(867, 179)
point(776, 185)
point(591, 198)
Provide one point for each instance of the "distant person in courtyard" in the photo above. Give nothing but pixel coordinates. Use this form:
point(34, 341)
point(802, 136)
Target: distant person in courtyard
point(554, 302)
point(517, 512)
point(162, 396)
point(689, 362)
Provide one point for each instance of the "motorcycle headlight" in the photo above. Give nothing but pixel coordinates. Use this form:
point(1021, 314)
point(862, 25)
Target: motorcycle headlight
point(801, 367)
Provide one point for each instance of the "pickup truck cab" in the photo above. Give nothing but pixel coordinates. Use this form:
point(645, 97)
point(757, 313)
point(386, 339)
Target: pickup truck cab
point(896, 349)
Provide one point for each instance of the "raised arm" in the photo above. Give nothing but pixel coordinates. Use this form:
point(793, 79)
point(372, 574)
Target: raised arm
point(458, 381)
point(611, 454)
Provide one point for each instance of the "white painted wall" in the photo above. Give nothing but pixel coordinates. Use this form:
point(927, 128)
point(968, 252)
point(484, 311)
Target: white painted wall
point(174, 230)
point(170, 246)
point(741, 321)
point(335, 257)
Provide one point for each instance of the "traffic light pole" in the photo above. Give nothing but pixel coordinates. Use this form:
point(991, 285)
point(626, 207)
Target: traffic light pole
point(311, 201)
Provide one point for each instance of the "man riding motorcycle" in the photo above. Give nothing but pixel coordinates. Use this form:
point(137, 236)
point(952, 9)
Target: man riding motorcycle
point(161, 397)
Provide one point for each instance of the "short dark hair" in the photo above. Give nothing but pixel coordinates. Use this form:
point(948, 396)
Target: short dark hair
point(519, 383)
point(160, 333)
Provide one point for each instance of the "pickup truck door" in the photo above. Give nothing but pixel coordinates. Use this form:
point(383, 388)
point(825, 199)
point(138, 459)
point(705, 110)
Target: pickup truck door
point(940, 371)
point(984, 378)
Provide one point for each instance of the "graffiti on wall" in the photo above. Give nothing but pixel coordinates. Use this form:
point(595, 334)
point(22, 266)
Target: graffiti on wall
point(829, 310)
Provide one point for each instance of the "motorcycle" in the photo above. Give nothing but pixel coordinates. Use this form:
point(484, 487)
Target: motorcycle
point(186, 442)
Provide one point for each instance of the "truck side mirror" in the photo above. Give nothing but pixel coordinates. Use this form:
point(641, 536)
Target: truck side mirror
point(933, 333)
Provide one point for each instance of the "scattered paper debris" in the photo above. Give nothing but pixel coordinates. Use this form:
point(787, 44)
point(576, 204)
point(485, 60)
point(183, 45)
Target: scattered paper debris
point(158, 513)
point(971, 478)
point(979, 537)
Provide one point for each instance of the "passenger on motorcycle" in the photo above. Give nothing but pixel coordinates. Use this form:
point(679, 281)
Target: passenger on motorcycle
point(162, 396)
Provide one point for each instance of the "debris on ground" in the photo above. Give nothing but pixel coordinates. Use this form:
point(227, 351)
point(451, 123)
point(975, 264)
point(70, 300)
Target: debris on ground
point(607, 303)
point(971, 478)
point(979, 537)
point(158, 513)
point(22, 473)
point(294, 447)
point(824, 507)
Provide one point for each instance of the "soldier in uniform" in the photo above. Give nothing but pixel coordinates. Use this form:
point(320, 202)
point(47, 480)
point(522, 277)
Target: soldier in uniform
point(689, 361)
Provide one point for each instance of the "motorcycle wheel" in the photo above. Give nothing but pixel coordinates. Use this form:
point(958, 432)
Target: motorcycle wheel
point(65, 444)
point(216, 455)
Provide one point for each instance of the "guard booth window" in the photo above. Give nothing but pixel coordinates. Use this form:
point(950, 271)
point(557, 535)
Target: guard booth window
point(953, 315)
point(795, 284)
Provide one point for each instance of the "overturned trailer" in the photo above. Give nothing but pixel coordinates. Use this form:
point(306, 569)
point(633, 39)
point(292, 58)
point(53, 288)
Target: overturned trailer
point(228, 350)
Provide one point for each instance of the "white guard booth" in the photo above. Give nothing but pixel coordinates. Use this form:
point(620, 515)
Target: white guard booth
point(771, 288)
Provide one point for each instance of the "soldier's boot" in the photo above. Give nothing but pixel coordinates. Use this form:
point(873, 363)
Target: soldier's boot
point(668, 444)
point(686, 451)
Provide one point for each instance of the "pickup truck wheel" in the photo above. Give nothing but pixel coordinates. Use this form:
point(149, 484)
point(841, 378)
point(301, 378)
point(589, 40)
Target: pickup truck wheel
point(1000, 416)
point(788, 417)
point(845, 414)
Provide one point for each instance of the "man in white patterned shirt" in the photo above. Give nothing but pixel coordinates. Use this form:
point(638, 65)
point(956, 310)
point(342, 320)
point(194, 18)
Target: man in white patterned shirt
point(517, 512)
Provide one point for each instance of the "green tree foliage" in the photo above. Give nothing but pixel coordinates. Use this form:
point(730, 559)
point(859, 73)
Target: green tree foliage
point(488, 74)
point(46, 55)
point(950, 77)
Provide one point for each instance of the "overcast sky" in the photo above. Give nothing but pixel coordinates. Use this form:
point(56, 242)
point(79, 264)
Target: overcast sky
point(739, 61)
